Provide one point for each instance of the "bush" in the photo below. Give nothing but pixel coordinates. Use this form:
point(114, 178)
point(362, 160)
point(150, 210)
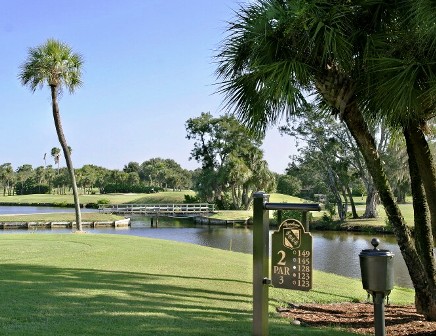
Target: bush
point(27, 188)
point(128, 188)
point(192, 199)
point(288, 185)
point(291, 214)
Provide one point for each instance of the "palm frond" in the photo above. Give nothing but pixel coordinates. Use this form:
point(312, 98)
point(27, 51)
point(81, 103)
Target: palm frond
point(52, 63)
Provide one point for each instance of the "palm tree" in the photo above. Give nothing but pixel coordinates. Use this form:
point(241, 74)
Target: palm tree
point(278, 52)
point(54, 64)
point(56, 154)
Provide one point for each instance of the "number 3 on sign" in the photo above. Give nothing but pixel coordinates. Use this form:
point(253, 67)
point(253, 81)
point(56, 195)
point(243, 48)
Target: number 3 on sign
point(282, 261)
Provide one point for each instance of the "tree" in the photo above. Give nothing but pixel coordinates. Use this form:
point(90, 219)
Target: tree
point(164, 173)
point(23, 173)
point(232, 163)
point(288, 185)
point(7, 178)
point(56, 154)
point(277, 52)
point(132, 167)
point(56, 65)
point(325, 148)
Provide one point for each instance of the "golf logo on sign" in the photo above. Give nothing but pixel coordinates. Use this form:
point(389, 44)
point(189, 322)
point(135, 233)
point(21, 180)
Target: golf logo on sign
point(291, 256)
point(292, 237)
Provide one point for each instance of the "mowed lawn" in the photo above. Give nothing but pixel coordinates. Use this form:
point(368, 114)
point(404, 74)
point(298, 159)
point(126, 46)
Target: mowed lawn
point(89, 284)
point(160, 197)
point(177, 197)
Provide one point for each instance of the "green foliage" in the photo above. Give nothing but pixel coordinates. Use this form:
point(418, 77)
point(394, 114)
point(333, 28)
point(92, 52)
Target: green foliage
point(103, 201)
point(232, 162)
point(62, 204)
point(288, 185)
point(288, 214)
point(128, 188)
point(27, 188)
point(192, 199)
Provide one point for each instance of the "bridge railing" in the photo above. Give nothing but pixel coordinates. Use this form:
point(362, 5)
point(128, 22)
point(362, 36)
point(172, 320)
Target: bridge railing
point(157, 208)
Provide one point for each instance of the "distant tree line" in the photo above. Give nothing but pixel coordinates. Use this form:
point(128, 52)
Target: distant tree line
point(150, 176)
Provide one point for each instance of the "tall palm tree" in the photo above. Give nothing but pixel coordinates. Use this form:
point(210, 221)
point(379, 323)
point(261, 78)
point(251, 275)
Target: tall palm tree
point(278, 52)
point(56, 65)
point(56, 154)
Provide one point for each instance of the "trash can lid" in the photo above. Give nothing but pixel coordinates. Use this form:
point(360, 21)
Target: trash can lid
point(375, 252)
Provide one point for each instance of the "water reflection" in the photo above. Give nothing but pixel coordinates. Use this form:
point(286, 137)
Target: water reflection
point(337, 252)
point(334, 252)
point(24, 210)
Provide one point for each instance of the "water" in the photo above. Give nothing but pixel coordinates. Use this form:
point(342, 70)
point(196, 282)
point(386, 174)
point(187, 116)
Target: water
point(24, 210)
point(334, 252)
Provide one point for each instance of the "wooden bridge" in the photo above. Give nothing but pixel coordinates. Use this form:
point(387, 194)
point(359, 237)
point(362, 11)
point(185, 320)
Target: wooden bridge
point(188, 210)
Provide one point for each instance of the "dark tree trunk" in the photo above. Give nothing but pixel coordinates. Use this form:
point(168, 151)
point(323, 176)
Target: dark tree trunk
point(426, 296)
point(371, 203)
point(416, 267)
point(345, 206)
point(333, 185)
point(426, 168)
point(353, 206)
point(339, 93)
point(67, 155)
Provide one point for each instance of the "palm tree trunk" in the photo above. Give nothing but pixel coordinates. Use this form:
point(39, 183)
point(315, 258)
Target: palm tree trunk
point(417, 269)
point(425, 304)
point(426, 168)
point(63, 142)
point(339, 93)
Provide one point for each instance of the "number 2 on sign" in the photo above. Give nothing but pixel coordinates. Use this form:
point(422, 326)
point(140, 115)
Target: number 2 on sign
point(282, 261)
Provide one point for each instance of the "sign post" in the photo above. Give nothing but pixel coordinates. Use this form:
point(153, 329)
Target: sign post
point(260, 264)
point(291, 256)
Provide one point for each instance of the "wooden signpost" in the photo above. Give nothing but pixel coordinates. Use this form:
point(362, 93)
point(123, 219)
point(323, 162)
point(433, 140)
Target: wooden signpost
point(291, 256)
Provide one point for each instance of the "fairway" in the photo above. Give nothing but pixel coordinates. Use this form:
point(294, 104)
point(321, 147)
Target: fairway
point(85, 284)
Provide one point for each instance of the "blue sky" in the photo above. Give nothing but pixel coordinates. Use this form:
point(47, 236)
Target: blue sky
point(148, 67)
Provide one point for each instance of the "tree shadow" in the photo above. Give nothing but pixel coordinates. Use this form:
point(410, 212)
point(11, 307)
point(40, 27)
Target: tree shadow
point(45, 300)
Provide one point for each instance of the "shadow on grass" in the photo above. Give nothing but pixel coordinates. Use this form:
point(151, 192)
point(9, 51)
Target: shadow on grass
point(40, 300)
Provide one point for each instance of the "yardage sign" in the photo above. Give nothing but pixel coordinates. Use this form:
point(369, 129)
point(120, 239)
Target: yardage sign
point(291, 256)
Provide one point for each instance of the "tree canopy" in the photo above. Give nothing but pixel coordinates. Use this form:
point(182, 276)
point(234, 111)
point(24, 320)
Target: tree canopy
point(232, 161)
point(278, 52)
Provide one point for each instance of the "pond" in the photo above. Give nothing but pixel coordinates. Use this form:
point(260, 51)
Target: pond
point(23, 210)
point(334, 252)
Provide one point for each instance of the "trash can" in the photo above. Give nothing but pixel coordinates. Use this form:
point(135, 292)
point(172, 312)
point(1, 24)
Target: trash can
point(377, 269)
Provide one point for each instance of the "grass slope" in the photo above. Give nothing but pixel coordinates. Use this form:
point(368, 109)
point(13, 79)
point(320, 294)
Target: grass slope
point(161, 197)
point(87, 284)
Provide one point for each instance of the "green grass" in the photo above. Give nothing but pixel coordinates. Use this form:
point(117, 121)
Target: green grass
point(244, 214)
point(84, 284)
point(161, 197)
point(174, 197)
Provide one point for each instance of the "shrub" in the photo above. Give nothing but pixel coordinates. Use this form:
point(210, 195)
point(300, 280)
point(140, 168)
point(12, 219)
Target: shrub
point(128, 188)
point(192, 199)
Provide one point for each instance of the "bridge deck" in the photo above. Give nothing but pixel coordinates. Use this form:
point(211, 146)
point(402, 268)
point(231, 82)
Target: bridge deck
point(157, 209)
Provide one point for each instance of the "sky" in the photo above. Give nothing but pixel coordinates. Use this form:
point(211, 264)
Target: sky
point(148, 67)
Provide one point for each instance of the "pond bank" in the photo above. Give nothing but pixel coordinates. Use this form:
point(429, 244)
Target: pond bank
point(63, 224)
point(316, 225)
